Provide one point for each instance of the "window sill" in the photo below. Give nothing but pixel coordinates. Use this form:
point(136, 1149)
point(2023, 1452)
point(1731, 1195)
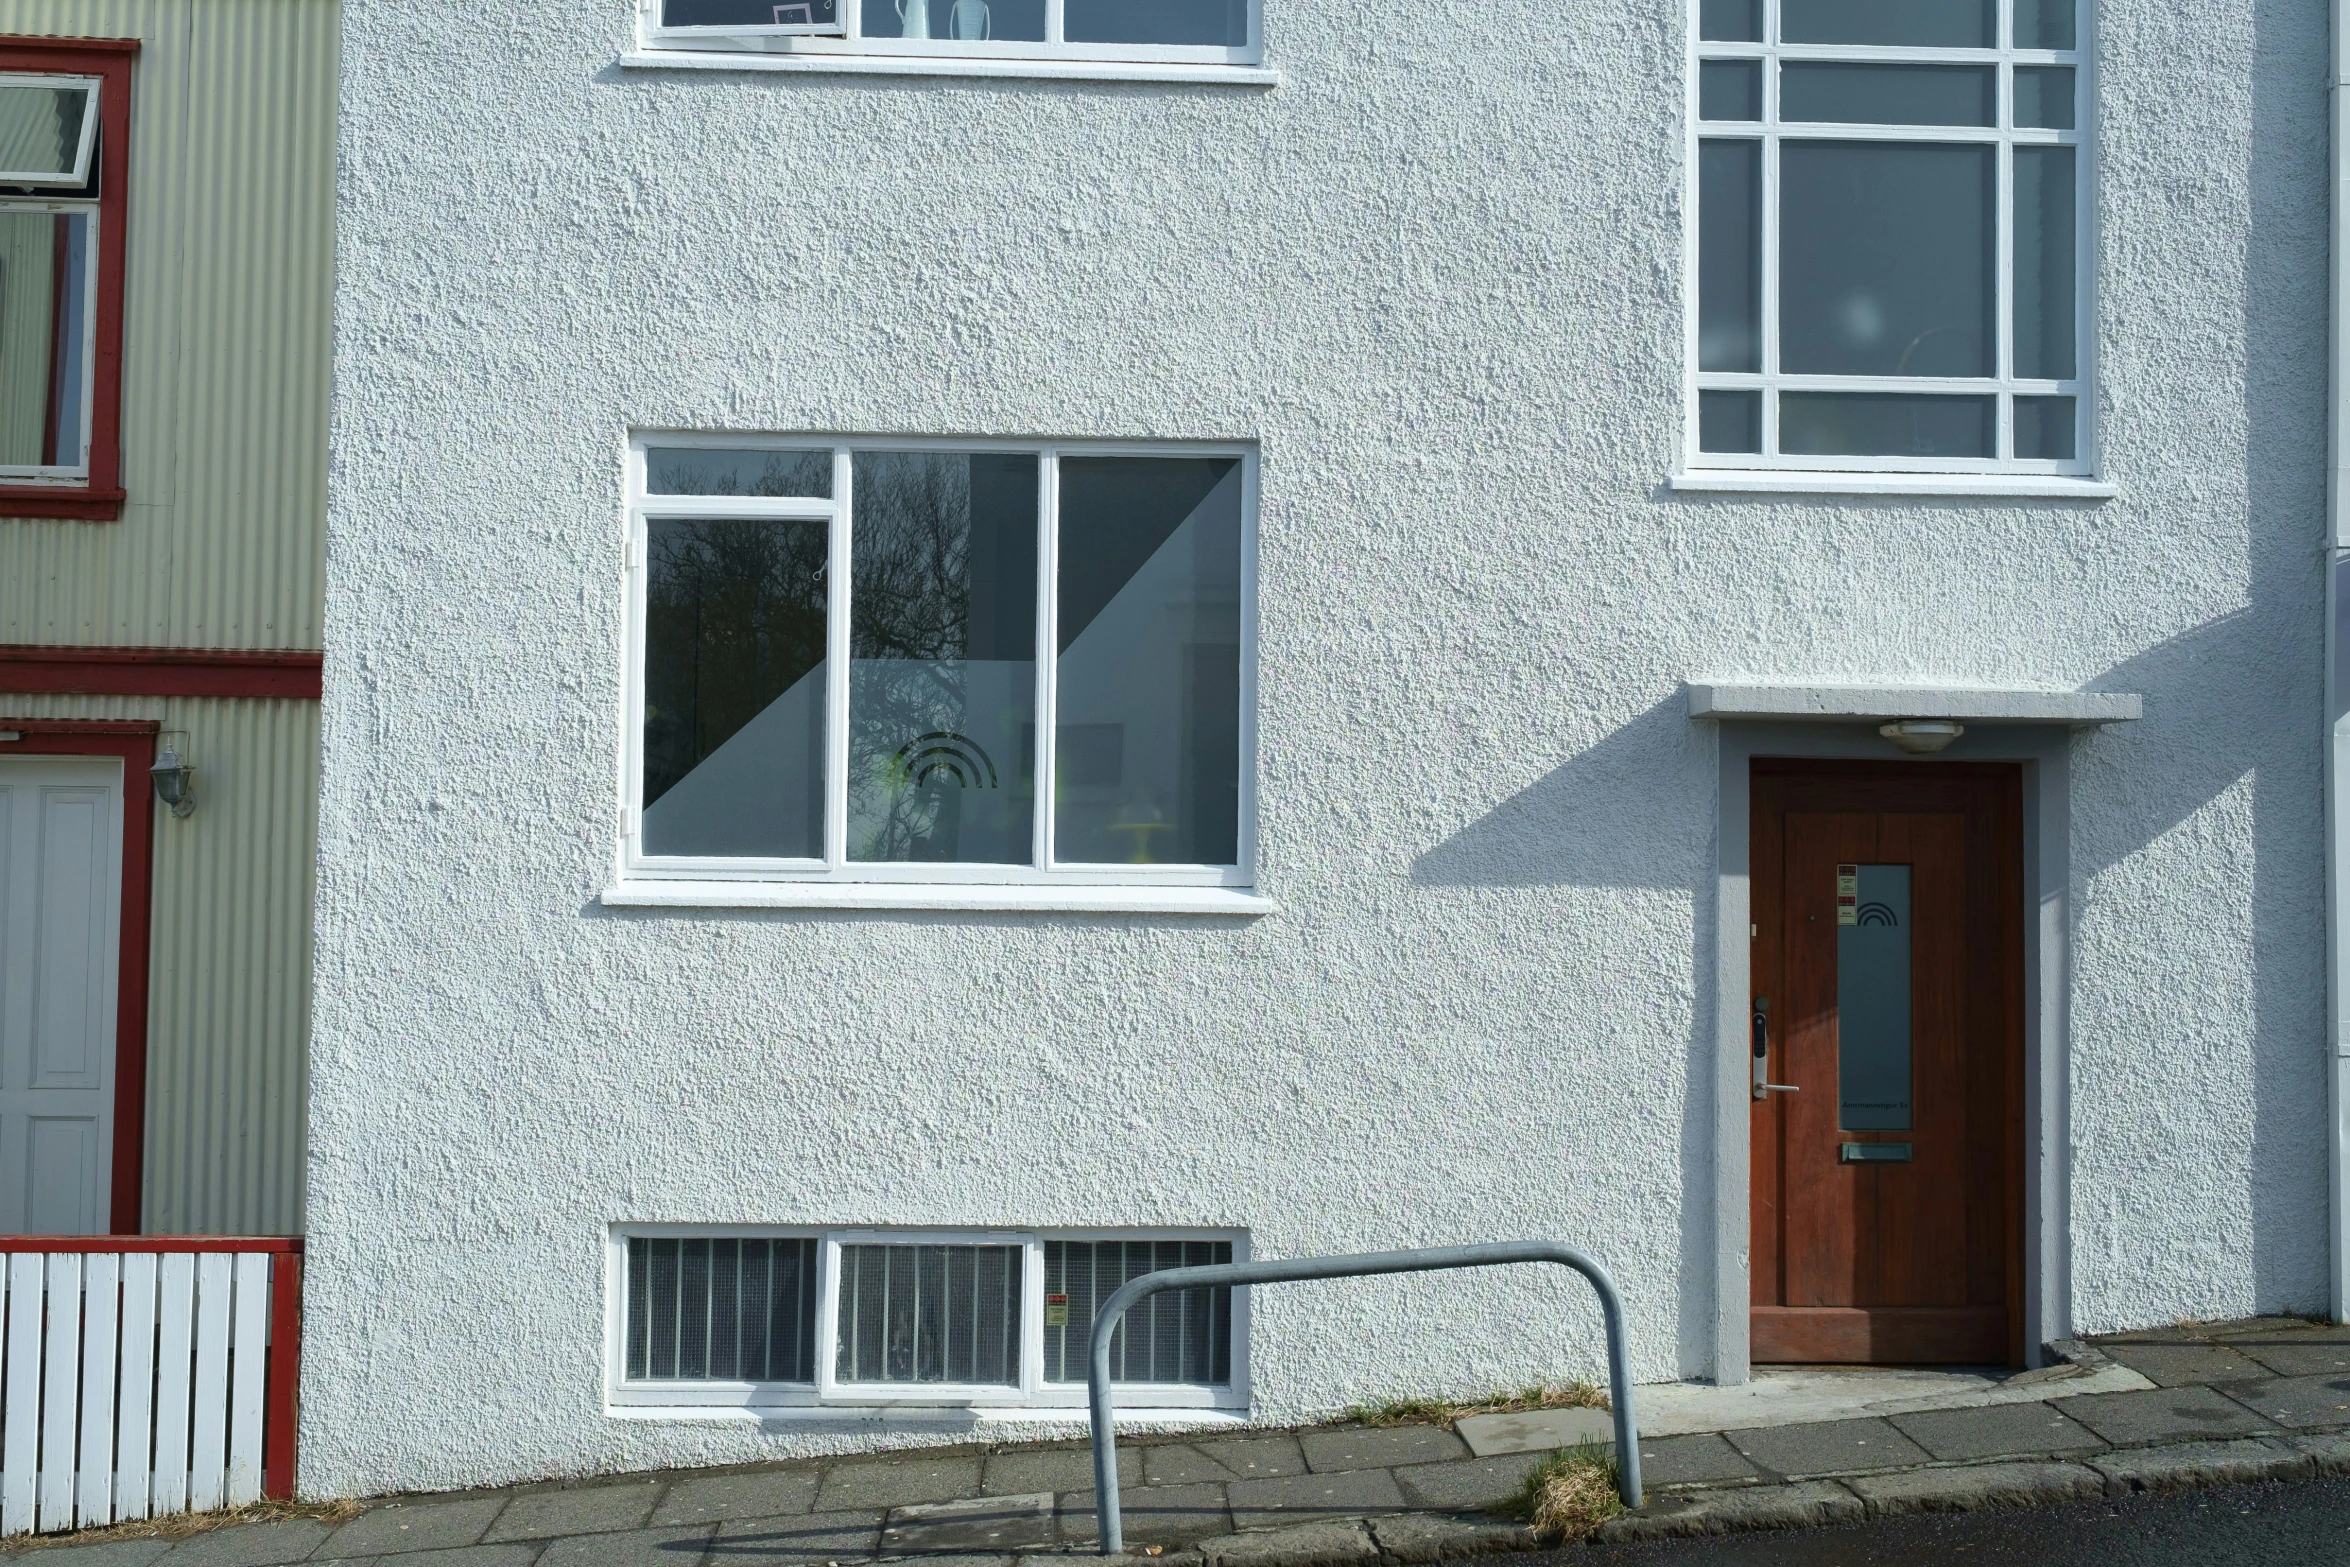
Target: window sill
point(1786, 481)
point(77, 503)
point(939, 65)
point(972, 898)
point(930, 1419)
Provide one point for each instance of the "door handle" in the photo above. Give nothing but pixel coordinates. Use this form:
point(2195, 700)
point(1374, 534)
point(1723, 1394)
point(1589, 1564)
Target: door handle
point(1763, 1086)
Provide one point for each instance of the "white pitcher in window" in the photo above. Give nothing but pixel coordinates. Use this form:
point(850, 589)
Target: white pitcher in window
point(969, 21)
point(913, 18)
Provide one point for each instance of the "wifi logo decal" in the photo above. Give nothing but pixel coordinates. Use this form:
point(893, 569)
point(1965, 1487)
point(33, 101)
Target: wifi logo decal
point(1877, 914)
point(943, 756)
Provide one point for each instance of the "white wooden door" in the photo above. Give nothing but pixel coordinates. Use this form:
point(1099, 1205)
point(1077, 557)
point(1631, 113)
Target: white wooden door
point(60, 933)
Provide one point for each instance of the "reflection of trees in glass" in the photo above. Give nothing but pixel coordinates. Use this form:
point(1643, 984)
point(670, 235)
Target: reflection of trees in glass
point(909, 624)
point(734, 617)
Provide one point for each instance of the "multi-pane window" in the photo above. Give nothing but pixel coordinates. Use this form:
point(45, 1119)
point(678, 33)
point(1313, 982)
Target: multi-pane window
point(886, 1318)
point(1216, 32)
point(61, 197)
point(920, 663)
point(1889, 200)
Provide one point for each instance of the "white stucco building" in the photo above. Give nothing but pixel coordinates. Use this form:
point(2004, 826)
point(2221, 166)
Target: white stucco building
point(960, 636)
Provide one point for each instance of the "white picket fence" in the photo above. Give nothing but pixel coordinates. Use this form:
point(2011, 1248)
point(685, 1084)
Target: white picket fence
point(135, 1383)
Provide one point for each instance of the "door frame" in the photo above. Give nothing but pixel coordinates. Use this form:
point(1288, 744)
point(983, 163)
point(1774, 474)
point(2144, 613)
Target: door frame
point(133, 744)
point(2044, 752)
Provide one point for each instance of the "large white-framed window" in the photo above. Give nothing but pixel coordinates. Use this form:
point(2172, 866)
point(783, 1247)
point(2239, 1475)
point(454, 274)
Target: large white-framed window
point(934, 663)
point(1891, 202)
point(49, 255)
point(1169, 32)
point(711, 1317)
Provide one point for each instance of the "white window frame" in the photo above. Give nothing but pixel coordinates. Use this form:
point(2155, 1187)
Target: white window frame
point(76, 473)
point(828, 1392)
point(1770, 131)
point(847, 41)
point(79, 175)
point(836, 870)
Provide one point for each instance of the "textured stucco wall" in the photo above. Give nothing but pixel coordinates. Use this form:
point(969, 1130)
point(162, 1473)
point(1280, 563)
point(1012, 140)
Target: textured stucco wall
point(1438, 279)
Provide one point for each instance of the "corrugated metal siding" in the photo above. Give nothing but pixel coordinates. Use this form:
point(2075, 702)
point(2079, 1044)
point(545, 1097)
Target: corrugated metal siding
point(229, 1006)
point(226, 325)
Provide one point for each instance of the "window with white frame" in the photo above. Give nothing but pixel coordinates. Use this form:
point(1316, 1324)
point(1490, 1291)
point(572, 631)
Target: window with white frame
point(49, 218)
point(1202, 32)
point(1889, 232)
point(894, 1317)
point(939, 663)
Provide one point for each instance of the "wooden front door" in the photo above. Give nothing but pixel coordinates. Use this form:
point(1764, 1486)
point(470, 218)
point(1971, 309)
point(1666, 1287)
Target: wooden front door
point(1888, 996)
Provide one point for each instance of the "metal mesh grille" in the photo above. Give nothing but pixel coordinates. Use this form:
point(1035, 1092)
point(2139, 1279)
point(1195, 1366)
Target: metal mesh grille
point(1178, 1336)
point(721, 1310)
point(930, 1314)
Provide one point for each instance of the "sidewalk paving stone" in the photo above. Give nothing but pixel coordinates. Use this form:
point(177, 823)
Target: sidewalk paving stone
point(1687, 1514)
point(1178, 1463)
point(1057, 1469)
point(1827, 1447)
point(1996, 1431)
point(2198, 1464)
point(583, 1509)
point(1254, 1457)
point(796, 1541)
point(519, 1553)
point(2303, 1403)
point(2163, 1414)
point(414, 1526)
point(1978, 1485)
point(765, 1493)
point(1704, 1459)
point(1363, 1447)
point(989, 1525)
point(1150, 1514)
point(1476, 1483)
point(1267, 1504)
point(897, 1483)
point(633, 1548)
point(253, 1544)
point(2301, 1360)
point(113, 1553)
point(2183, 1365)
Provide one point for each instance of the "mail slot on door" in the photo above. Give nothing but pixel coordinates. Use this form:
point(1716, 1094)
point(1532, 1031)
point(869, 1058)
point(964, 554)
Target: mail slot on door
point(1873, 1153)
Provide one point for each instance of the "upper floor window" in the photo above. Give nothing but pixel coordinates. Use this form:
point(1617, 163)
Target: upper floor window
point(64, 121)
point(1889, 231)
point(925, 662)
point(1207, 32)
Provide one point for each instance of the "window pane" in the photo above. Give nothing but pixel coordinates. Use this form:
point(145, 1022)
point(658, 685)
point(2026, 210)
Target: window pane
point(706, 470)
point(44, 338)
point(1729, 90)
point(929, 1314)
point(1729, 421)
point(1729, 255)
point(1872, 1002)
point(812, 14)
point(1922, 24)
point(1889, 94)
point(2044, 279)
point(2044, 428)
point(2044, 96)
point(41, 133)
point(1148, 755)
point(1214, 23)
point(1871, 424)
point(1730, 21)
point(734, 688)
point(2044, 24)
point(966, 21)
point(1177, 1336)
point(942, 678)
point(1885, 259)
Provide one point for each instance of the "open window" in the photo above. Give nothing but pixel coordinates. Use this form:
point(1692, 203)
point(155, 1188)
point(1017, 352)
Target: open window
point(64, 142)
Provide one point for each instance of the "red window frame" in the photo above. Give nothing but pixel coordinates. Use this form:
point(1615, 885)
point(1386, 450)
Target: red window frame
point(98, 498)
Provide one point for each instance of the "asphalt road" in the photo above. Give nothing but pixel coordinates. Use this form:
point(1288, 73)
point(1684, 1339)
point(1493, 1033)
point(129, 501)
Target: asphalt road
point(2305, 1524)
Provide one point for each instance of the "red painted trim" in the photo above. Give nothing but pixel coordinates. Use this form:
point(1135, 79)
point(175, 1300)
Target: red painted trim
point(281, 1392)
point(109, 59)
point(104, 1244)
point(134, 744)
point(162, 671)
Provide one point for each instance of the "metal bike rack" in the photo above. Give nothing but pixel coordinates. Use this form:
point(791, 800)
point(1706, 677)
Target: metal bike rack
point(1363, 1265)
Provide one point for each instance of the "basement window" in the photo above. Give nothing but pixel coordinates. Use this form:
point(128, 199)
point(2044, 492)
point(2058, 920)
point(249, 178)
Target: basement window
point(944, 32)
point(956, 1319)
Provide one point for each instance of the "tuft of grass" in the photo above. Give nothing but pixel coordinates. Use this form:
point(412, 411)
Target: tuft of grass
point(1570, 1494)
point(1444, 1411)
